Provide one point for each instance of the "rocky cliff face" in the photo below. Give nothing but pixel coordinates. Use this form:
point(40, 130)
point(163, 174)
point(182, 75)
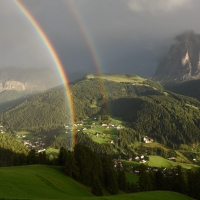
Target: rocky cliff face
point(12, 85)
point(30, 80)
point(183, 60)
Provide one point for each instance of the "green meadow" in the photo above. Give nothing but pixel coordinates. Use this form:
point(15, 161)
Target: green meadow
point(118, 77)
point(22, 133)
point(40, 182)
point(52, 152)
point(105, 134)
point(28, 135)
point(157, 161)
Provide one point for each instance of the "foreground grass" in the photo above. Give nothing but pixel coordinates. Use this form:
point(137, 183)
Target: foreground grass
point(40, 182)
point(155, 195)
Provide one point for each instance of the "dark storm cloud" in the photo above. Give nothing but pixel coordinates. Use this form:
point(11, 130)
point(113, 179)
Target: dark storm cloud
point(129, 36)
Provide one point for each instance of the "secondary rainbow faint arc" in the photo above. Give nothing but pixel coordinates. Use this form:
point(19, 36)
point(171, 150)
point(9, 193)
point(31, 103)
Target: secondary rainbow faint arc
point(92, 49)
point(55, 59)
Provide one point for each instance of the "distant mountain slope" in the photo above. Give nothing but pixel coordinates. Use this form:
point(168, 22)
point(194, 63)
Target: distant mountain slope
point(89, 96)
point(28, 79)
point(41, 110)
point(188, 88)
point(9, 95)
point(169, 118)
point(183, 60)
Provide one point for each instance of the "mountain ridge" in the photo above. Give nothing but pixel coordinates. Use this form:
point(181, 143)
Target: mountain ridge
point(182, 62)
point(30, 79)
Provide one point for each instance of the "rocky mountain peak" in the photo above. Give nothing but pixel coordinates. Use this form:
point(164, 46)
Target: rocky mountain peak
point(183, 60)
point(30, 79)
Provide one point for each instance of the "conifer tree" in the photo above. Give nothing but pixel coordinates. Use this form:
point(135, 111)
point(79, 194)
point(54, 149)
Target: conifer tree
point(96, 187)
point(70, 167)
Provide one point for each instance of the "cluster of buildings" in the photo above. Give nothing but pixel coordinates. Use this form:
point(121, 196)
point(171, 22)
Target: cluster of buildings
point(118, 127)
point(118, 164)
point(140, 159)
point(1, 129)
point(35, 143)
point(167, 172)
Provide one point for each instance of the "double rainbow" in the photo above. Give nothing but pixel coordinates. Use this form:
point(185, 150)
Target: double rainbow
point(58, 63)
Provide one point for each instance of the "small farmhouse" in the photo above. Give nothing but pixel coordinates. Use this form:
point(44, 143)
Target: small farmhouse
point(147, 139)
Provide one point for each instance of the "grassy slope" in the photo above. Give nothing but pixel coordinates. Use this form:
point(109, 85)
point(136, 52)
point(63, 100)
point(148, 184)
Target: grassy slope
point(118, 77)
point(157, 161)
point(38, 181)
point(47, 182)
point(156, 195)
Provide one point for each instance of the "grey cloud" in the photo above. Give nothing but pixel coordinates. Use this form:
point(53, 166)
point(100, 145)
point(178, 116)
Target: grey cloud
point(155, 6)
point(125, 40)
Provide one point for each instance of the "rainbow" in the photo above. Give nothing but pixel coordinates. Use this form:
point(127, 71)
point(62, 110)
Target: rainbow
point(56, 60)
point(93, 51)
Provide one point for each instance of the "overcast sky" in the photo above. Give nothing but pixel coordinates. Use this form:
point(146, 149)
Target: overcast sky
point(128, 36)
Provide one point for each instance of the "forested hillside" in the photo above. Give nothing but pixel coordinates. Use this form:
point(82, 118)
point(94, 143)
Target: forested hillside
point(41, 110)
point(169, 118)
point(90, 97)
point(9, 95)
point(12, 152)
point(188, 88)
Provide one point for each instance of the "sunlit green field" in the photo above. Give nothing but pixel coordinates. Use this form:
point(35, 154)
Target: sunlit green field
point(52, 152)
point(118, 77)
point(22, 133)
point(157, 161)
point(28, 135)
point(40, 182)
point(105, 135)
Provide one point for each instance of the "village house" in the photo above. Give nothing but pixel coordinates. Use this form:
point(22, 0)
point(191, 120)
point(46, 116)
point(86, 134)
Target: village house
point(118, 164)
point(137, 158)
point(41, 150)
point(147, 139)
point(97, 134)
point(172, 159)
